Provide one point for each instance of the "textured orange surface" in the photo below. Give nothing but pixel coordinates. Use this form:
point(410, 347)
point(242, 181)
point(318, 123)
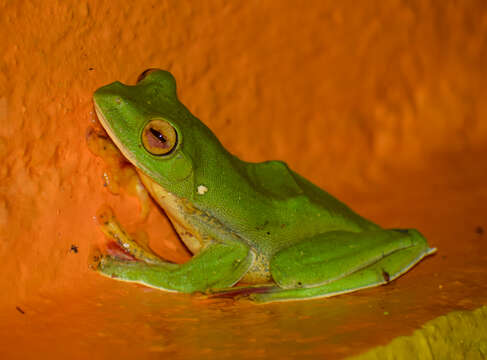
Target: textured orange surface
point(381, 103)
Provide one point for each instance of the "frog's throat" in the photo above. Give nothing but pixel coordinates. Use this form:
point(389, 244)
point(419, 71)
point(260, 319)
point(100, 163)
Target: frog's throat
point(176, 210)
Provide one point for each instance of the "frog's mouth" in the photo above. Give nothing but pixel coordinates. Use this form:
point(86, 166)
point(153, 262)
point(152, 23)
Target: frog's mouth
point(111, 134)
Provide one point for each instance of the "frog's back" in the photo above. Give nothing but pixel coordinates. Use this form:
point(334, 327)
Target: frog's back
point(297, 201)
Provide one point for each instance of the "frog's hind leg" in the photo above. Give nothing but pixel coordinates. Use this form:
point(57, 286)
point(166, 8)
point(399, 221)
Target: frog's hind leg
point(340, 262)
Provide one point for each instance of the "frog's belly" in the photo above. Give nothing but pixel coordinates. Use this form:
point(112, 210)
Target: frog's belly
point(259, 272)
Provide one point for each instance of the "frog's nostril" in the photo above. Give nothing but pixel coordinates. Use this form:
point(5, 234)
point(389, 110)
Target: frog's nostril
point(145, 73)
point(402, 231)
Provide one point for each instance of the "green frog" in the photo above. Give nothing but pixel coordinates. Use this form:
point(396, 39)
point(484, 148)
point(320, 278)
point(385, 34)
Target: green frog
point(259, 224)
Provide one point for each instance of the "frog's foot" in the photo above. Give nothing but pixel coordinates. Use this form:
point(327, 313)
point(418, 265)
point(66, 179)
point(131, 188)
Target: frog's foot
point(341, 262)
point(121, 251)
point(123, 246)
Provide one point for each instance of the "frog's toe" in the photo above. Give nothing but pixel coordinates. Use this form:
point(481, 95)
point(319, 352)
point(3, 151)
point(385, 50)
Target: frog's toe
point(95, 259)
point(112, 266)
point(99, 262)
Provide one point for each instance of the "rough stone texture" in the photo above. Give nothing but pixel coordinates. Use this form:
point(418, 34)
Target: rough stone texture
point(381, 103)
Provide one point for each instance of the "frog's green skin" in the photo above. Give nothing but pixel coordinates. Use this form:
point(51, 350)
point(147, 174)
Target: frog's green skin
point(259, 223)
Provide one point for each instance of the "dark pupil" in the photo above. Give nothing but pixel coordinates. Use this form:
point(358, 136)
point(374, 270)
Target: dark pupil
point(158, 135)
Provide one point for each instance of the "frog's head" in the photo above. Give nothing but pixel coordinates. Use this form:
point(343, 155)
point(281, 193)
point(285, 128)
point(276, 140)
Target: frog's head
point(154, 131)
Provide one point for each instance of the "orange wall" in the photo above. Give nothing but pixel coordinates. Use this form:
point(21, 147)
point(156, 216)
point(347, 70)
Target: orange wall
point(347, 93)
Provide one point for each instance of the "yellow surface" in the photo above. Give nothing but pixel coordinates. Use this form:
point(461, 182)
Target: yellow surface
point(458, 335)
point(383, 104)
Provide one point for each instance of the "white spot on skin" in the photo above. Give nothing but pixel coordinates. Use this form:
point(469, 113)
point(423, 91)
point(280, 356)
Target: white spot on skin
point(202, 189)
point(126, 246)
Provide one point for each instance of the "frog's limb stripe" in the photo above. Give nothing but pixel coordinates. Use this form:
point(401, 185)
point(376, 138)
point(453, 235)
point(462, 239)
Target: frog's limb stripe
point(220, 265)
point(242, 291)
point(363, 273)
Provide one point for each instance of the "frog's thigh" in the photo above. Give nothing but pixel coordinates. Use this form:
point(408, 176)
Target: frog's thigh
point(376, 274)
point(348, 260)
point(219, 265)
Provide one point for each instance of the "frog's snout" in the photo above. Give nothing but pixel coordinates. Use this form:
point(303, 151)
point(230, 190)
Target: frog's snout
point(402, 231)
point(144, 73)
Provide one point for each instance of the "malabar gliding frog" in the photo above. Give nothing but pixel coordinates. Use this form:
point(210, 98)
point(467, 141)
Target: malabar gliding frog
point(260, 224)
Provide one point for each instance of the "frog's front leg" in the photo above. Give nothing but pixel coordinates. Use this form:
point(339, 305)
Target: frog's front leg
point(339, 262)
point(218, 265)
point(112, 229)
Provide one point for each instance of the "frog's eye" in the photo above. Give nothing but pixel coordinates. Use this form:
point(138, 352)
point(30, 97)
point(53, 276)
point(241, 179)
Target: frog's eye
point(159, 137)
point(144, 74)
